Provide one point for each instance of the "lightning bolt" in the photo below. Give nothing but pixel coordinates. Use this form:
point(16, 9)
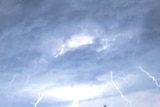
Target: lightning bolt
point(11, 82)
point(120, 92)
point(150, 76)
point(27, 80)
point(40, 96)
point(9, 88)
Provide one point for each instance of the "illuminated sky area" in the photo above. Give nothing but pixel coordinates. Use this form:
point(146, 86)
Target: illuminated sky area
point(79, 53)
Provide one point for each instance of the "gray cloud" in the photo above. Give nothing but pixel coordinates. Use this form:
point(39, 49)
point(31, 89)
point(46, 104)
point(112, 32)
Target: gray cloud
point(126, 35)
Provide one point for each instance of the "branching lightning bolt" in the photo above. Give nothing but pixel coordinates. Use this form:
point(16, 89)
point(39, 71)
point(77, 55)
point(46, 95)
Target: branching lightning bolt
point(150, 76)
point(120, 92)
point(40, 96)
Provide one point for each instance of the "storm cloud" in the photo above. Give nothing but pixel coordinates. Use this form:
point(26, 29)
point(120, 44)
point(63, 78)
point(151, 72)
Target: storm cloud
point(67, 53)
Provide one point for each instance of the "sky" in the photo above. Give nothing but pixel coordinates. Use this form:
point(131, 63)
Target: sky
point(79, 53)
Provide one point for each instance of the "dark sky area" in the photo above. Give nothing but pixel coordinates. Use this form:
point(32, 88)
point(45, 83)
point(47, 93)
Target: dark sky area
point(79, 53)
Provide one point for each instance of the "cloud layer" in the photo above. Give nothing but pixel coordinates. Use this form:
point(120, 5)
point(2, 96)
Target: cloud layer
point(62, 53)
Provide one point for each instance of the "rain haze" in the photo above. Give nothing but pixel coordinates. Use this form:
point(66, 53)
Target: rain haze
point(79, 53)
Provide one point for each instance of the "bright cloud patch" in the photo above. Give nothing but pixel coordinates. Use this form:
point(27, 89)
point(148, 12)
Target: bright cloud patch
point(74, 42)
point(79, 40)
point(81, 92)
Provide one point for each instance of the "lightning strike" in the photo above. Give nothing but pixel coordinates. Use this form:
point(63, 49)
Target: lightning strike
point(11, 82)
point(120, 92)
point(27, 80)
point(150, 76)
point(40, 96)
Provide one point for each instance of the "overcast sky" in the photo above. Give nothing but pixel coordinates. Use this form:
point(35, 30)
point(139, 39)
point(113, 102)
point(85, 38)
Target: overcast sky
point(79, 53)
